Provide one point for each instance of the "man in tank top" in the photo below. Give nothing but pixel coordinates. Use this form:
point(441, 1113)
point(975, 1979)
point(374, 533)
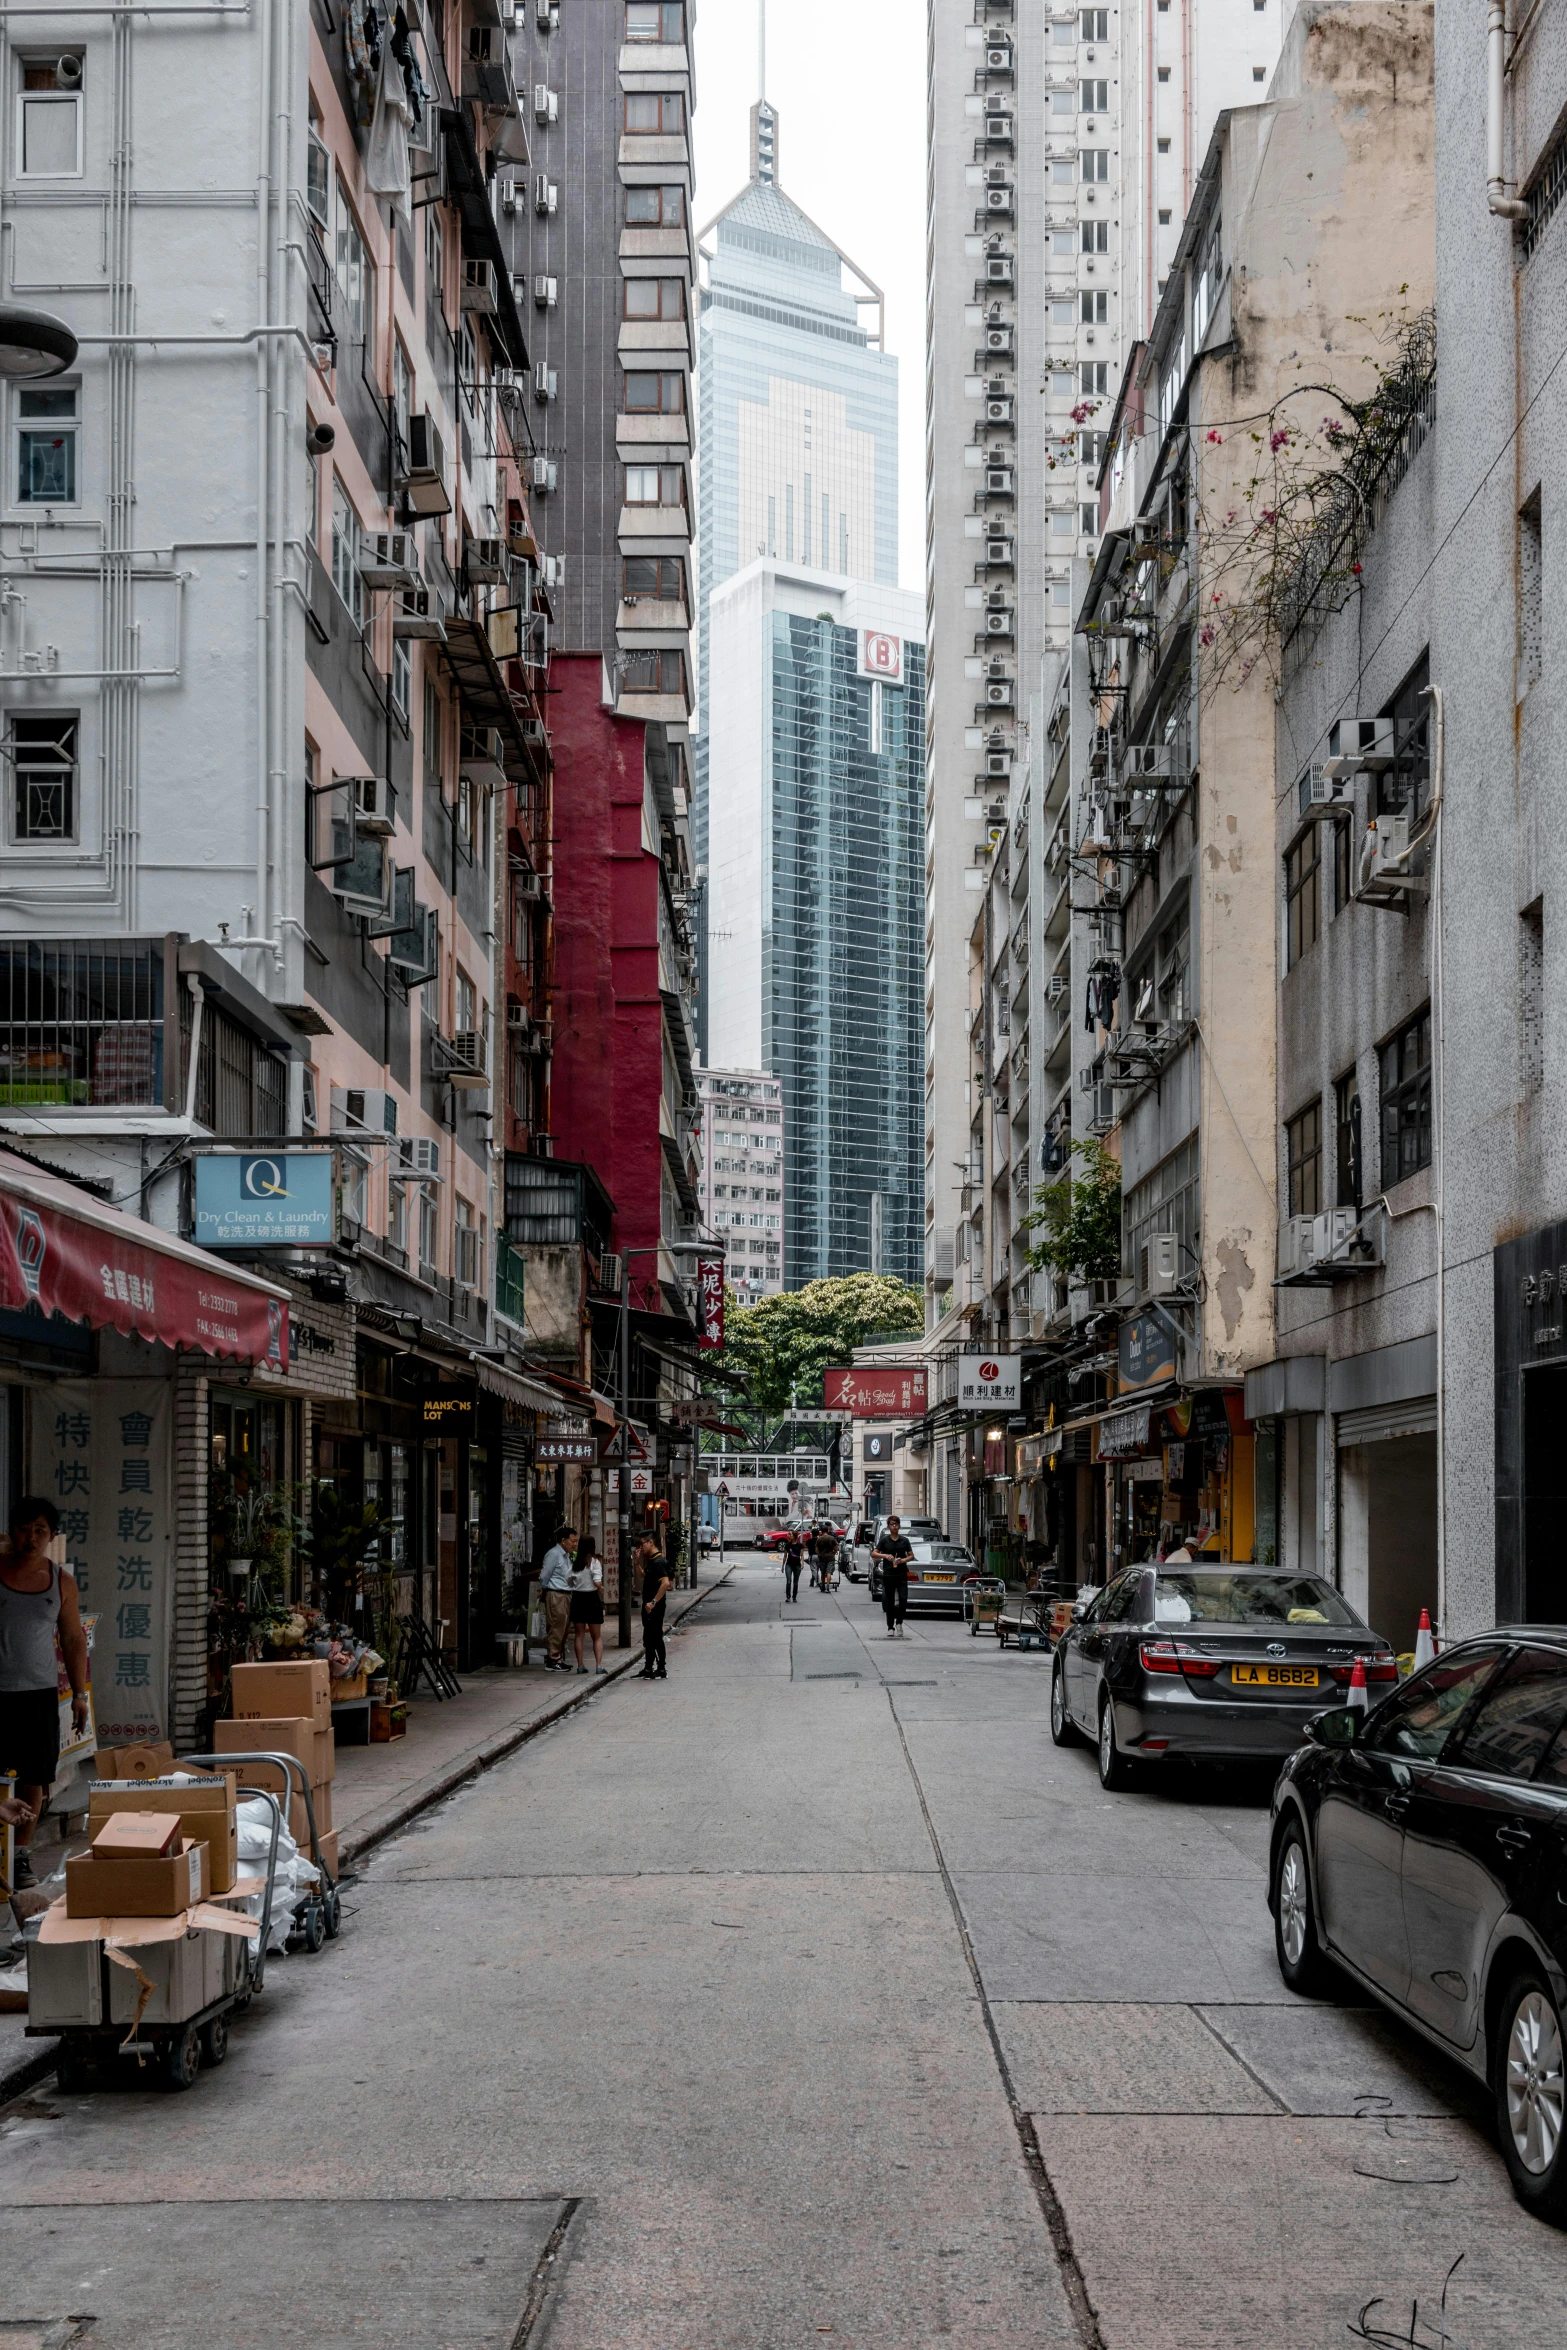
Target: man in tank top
point(37, 1603)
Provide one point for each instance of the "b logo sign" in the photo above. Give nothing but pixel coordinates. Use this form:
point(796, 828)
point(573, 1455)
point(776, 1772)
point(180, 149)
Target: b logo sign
point(881, 656)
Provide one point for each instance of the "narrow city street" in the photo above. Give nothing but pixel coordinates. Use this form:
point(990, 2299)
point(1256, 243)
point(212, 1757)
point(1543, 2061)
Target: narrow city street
point(811, 1996)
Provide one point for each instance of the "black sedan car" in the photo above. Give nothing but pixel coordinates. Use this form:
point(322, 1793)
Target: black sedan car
point(1221, 1662)
point(1423, 1847)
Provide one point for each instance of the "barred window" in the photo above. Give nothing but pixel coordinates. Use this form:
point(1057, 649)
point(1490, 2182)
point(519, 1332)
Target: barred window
point(42, 752)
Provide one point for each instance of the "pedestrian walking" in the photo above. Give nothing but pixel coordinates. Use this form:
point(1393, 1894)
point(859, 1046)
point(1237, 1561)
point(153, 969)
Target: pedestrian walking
point(38, 1603)
point(792, 1563)
point(555, 1583)
point(894, 1551)
point(587, 1603)
point(655, 1591)
point(826, 1548)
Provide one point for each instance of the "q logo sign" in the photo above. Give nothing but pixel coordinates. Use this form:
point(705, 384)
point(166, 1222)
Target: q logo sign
point(262, 1179)
point(881, 656)
point(990, 1371)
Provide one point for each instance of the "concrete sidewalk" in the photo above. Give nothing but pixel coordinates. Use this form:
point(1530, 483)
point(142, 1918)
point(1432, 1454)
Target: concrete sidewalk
point(378, 1789)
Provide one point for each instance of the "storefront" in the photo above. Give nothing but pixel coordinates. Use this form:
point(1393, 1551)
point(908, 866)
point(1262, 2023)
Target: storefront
point(1179, 1475)
point(1530, 1311)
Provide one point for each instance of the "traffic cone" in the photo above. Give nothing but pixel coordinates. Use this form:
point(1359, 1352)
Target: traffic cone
point(1425, 1644)
point(1357, 1686)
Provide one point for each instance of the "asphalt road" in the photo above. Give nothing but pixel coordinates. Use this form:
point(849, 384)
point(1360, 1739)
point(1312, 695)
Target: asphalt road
point(811, 1997)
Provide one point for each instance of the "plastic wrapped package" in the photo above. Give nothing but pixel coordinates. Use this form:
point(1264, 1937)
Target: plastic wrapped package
point(293, 1876)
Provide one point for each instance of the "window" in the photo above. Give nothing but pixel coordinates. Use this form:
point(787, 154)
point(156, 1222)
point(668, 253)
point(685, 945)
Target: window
point(1164, 73)
point(1423, 1716)
point(1091, 448)
point(659, 113)
point(1404, 1070)
point(429, 1232)
point(1095, 162)
point(655, 485)
point(1096, 236)
point(402, 677)
point(1259, 73)
point(434, 260)
point(1093, 24)
point(656, 20)
point(1303, 895)
point(47, 431)
point(660, 207)
point(1164, 222)
point(653, 297)
point(1163, 146)
point(1343, 866)
point(1094, 307)
point(433, 729)
point(653, 392)
point(49, 118)
point(1531, 997)
point(1405, 787)
point(465, 1003)
point(1095, 98)
point(653, 673)
point(1303, 1156)
point(467, 801)
point(318, 177)
point(660, 576)
point(1093, 376)
point(397, 1215)
point(42, 753)
point(1531, 592)
point(1518, 1718)
point(347, 545)
point(468, 1248)
point(1349, 1162)
point(355, 275)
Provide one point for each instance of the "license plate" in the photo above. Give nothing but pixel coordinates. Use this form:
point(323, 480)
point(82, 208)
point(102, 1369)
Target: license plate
point(938, 1578)
point(1274, 1676)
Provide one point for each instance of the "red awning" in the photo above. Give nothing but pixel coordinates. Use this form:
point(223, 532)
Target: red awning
point(67, 1253)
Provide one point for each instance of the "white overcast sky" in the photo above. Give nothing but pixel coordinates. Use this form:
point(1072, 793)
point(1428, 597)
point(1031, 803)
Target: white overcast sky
point(848, 79)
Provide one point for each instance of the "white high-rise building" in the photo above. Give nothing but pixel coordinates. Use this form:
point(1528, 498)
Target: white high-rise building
point(743, 1160)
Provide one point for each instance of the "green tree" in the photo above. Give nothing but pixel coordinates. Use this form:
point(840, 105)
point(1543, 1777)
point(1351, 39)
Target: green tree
point(1078, 1217)
point(781, 1345)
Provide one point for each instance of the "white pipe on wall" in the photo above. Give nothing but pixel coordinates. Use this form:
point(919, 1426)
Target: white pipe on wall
point(1504, 205)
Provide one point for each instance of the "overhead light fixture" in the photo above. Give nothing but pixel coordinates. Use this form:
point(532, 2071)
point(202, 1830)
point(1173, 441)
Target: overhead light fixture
point(33, 343)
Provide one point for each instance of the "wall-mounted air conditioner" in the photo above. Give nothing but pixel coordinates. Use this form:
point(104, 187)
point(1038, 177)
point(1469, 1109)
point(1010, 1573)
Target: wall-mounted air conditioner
point(375, 804)
point(478, 287)
point(390, 559)
point(546, 292)
point(363, 1109)
point(545, 381)
point(1361, 742)
point(487, 561)
point(1159, 1264)
point(419, 1158)
point(465, 1060)
point(415, 615)
point(542, 476)
point(1321, 793)
point(546, 195)
point(423, 479)
point(546, 104)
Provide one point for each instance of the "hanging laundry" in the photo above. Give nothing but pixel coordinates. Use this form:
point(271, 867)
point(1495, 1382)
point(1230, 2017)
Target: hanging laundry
point(358, 65)
point(413, 80)
point(386, 149)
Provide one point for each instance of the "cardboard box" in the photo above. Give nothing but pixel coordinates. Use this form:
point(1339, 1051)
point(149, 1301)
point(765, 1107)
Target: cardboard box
point(136, 1885)
point(186, 1975)
point(281, 1782)
point(329, 1852)
point(278, 1693)
point(64, 1984)
point(136, 1835)
point(324, 1770)
point(351, 1685)
point(300, 1735)
point(205, 1812)
point(134, 1762)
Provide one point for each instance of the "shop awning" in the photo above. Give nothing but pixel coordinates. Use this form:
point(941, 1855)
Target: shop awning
point(532, 1394)
point(64, 1252)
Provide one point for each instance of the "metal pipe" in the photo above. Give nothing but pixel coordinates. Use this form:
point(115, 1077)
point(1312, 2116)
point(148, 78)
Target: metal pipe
point(1438, 1137)
point(1505, 206)
point(623, 1580)
point(263, 454)
point(200, 994)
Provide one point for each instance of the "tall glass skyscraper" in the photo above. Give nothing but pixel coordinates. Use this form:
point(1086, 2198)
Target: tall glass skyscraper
point(817, 899)
point(797, 451)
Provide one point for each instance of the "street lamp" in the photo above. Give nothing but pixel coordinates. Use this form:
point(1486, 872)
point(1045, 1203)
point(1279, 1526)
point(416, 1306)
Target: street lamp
point(32, 343)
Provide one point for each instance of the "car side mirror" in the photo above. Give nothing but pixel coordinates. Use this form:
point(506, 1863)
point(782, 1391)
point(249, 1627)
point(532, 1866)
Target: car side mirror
point(1339, 1726)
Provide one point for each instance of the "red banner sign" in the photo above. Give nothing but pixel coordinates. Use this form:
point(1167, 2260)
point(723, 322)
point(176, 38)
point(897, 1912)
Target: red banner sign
point(876, 1395)
point(710, 1303)
point(95, 1266)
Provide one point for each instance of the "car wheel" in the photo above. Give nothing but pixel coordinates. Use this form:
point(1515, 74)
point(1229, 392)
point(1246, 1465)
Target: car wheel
point(1115, 1772)
point(1295, 1942)
point(1530, 2089)
point(1063, 1730)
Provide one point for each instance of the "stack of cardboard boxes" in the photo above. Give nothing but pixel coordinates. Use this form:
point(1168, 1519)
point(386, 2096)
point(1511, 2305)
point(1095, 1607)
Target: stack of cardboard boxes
point(287, 1709)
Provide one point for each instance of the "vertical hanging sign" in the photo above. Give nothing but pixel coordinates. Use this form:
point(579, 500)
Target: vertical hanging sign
point(710, 1303)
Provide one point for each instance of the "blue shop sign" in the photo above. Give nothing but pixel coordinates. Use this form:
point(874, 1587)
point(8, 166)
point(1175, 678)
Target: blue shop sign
point(265, 1199)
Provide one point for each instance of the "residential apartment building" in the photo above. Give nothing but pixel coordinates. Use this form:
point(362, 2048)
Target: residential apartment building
point(271, 730)
point(816, 790)
point(798, 450)
point(745, 1167)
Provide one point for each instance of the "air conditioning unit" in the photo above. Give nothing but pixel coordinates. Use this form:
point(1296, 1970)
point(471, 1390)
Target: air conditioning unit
point(1322, 793)
point(998, 199)
point(542, 476)
point(998, 339)
point(528, 885)
point(552, 570)
point(546, 195)
point(998, 693)
point(998, 481)
point(375, 804)
point(1147, 531)
point(546, 291)
point(1159, 1264)
point(413, 615)
point(363, 1110)
point(1362, 742)
point(546, 105)
point(999, 764)
point(545, 382)
point(487, 561)
point(998, 410)
point(424, 473)
point(478, 287)
point(998, 61)
point(1148, 762)
point(998, 270)
point(1331, 1234)
point(999, 551)
point(1102, 750)
point(391, 559)
point(999, 126)
point(419, 1158)
point(516, 1018)
point(1294, 1255)
point(479, 755)
point(1384, 876)
point(465, 1061)
point(1056, 986)
point(544, 13)
point(998, 620)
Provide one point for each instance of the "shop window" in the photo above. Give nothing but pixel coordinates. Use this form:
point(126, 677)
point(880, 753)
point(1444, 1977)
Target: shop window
point(1303, 895)
point(42, 753)
point(1404, 1071)
point(1349, 1160)
point(1303, 1155)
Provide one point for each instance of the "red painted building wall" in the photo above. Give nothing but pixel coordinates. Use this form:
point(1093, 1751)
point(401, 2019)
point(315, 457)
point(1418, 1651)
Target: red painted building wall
point(608, 1075)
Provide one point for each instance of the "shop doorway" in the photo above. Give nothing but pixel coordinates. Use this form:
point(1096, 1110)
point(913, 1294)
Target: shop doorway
point(1544, 1492)
point(1388, 1534)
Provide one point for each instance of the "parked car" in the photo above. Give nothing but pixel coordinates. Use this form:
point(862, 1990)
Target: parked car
point(937, 1574)
point(1221, 1662)
point(854, 1557)
point(917, 1530)
point(1422, 1847)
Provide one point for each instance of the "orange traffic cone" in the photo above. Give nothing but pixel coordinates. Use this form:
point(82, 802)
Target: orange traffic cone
point(1425, 1643)
point(1357, 1686)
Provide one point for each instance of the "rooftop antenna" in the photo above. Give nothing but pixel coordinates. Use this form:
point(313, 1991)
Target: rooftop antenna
point(764, 118)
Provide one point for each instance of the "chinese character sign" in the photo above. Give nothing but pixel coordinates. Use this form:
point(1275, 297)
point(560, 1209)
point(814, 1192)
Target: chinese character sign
point(100, 1450)
point(876, 1394)
point(989, 1382)
point(710, 1302)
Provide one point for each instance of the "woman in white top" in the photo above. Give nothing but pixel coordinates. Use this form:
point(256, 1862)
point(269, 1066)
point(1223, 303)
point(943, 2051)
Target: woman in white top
point(587, 1602)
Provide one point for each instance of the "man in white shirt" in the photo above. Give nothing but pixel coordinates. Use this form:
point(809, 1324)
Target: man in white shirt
point(555, 1583)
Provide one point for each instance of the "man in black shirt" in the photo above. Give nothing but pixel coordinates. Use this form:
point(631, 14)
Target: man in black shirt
point(655, 1590)
point(894, 1552)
